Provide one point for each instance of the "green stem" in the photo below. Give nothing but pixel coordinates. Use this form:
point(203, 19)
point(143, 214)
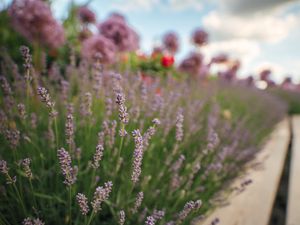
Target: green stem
point(91, 218)
point(56, 132)
point(34, 200)
point(17, 192)
point(70, 205)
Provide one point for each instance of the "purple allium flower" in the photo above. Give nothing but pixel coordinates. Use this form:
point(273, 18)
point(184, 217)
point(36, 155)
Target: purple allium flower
point(200, 37)
point(26, 167)
point(117, 30)
point(138, 202)
point(99, 44)
point(221, 58)
point(86, 15)
point(21, 110)
point(121, 217)
point(137, 156)
point(150, 220)
point(171, 43)
point(69, 172)
point(34, 20)
point(101, 194)
point(45, 97)
point(97, 156)
point(83, 203)
point(192, 64)
point(30, 221)
point(179, 126)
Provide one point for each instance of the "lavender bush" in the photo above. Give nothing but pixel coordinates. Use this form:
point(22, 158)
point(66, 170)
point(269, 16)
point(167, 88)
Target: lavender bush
point(95, 146)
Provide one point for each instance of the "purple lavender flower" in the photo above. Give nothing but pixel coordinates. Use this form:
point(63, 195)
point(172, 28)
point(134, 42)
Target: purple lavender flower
point(179, 126)
point(200, 37)
point(3, 167)
point(158, 214)
point(30, 221)
point(98, 44)
point(69, 172)
point(123, 37)
point(45, 97)
point(69, 130)
point(137, 156)
point(83, 203)
point(171, 43)
point(25, 52)
point(138, 202)
point(123, 115)
point(97, 156)
point(150, 220)
point(5, 86)
point(21, 110)
point(86, 15)
point(26, 167)
point(101, 194)
point(188, 208)
point(34, 20)
point(121, 217)
point(13, 137)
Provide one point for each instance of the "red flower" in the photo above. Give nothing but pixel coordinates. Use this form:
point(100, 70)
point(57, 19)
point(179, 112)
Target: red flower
point(167, 61)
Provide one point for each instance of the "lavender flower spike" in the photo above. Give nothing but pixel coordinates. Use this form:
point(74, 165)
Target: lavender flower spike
point(69, 172)
point(101, 194)
point(97, 156)
point(83, 203)
point(138, 156)
point(150, 220)
point(30, 221)
point(45, 97)
point(138, 202)
point(26, 167)
point(179, 126)
point(123, 115)
point(121, 217)
point(69, 130)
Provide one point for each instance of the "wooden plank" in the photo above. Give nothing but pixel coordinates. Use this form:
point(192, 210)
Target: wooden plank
point(293, 211)
point(254, 205)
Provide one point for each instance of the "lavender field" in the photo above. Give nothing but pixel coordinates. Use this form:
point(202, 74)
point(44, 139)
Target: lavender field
point(95, 131)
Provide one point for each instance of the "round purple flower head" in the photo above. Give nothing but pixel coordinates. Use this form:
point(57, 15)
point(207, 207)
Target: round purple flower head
point(98, 44)
point(86, 15)
point(192, 64)
point(33, 19)
point(117, 30)
point(170, 41)
point(200, 37)
point(221, 58)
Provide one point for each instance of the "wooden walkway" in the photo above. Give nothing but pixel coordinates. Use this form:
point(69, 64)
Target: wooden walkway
point(293, 212)
point(254, 205)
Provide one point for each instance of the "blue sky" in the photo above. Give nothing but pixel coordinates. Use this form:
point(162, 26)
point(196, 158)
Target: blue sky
point(262, 33)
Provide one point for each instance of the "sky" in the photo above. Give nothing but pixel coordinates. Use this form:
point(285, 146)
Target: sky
point(261, 33)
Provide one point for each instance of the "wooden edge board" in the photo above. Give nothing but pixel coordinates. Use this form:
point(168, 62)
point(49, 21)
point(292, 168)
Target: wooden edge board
point(293, 210)
point(254, 205)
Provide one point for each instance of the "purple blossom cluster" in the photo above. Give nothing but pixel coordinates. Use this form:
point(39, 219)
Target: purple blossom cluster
point(137, 156)
point(200, 37)
point(83, 203)
point(171, 42)
point(120, 33)
point(33, 19)
point(101, 194)
point(69, 172)
point(85, 15)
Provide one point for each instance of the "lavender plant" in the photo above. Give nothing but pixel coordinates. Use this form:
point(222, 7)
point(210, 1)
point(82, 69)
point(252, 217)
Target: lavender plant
point(63, 161)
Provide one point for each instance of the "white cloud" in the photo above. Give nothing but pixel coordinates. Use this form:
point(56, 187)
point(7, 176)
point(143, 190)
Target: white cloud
point(146, 5)
point(266, 28)
point(248, 7)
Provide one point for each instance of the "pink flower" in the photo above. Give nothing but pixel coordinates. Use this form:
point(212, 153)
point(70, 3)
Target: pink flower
point(200, 37)
point(171, 43)
point(33, 19)
point(98, 44)
point(86, 15)
point(117, 30)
